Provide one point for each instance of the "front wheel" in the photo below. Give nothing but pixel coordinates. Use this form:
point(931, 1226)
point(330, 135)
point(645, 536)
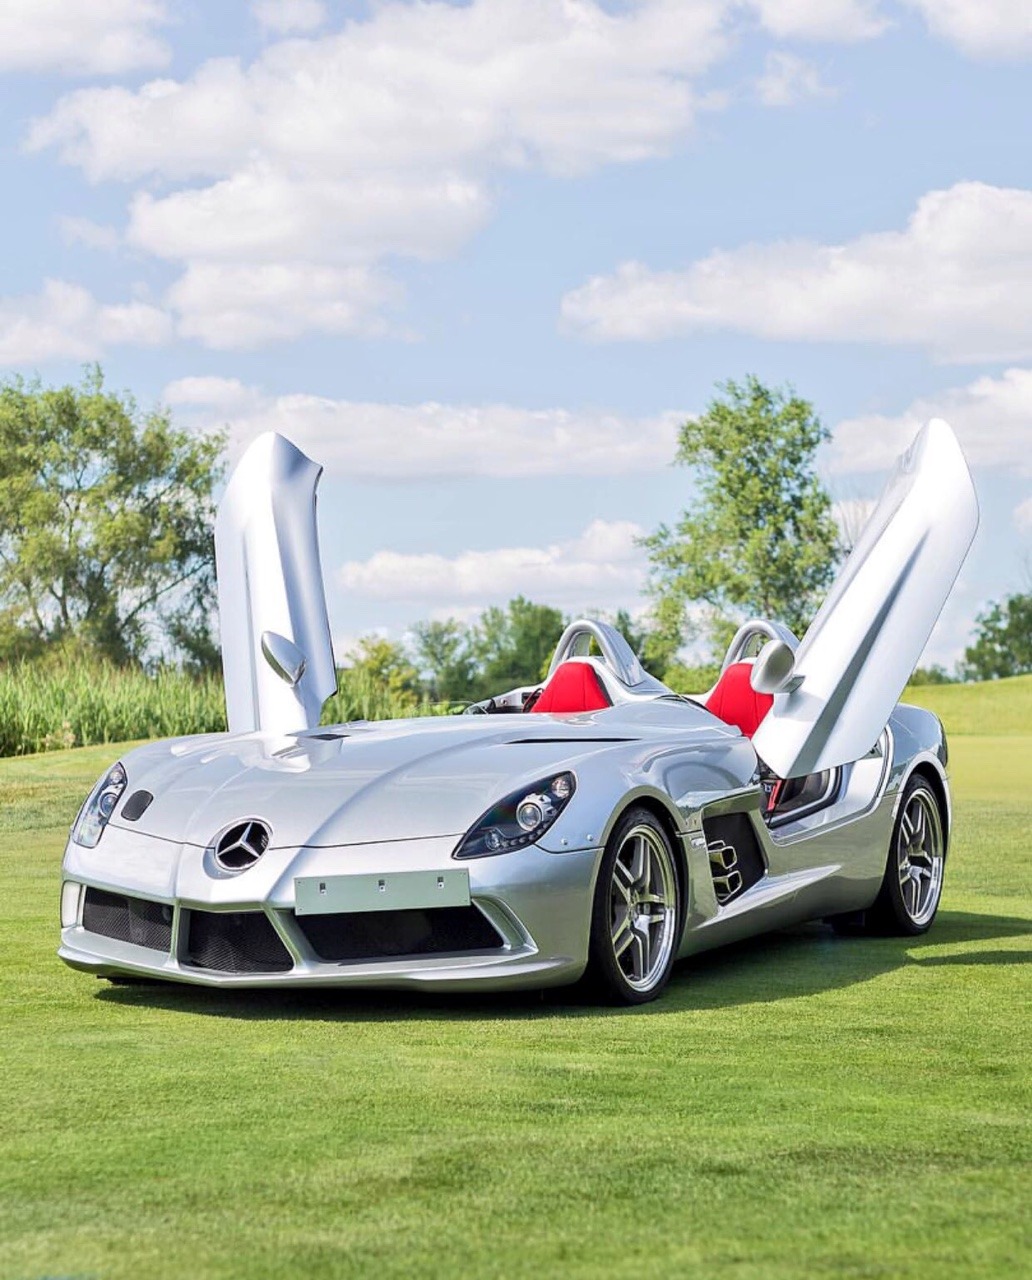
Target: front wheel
point(910, 892)
point(637, 914)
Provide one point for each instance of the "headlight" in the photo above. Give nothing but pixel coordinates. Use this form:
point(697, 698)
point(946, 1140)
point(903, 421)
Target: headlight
point(100, 805)
point(519, 819)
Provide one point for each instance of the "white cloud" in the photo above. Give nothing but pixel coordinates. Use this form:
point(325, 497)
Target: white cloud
point(92, 234)
point(259, 214)
point(603, 567)
point(282, 16)
point(237, 306)
point(991, 416)
point(788, 79)
point(564, 83)
point(81, 37)
point(981, 28)
point(65, 321)
point(957, 280)
point(822, 19)
point(372, 441)
point(1023, 516)
point(382, 138)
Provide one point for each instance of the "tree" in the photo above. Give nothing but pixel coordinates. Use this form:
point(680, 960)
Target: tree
point(105, 523)
point(386, 664)
point(443, 655)
point(759, 537)
point(513, 646)
point(1003, 641)
point(935, 674)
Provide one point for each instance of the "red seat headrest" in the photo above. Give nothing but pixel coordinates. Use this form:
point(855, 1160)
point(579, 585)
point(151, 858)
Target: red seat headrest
point(736, 702)
point(573, 686)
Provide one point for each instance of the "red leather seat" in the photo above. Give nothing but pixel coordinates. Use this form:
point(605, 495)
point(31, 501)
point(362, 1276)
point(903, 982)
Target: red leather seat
point(736, 702)
point(573, 686)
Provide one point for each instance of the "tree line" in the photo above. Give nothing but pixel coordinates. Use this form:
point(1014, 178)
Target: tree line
point(106, 551)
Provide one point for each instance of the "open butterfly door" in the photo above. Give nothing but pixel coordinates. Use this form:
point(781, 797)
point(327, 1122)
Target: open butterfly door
point(277, 655)
point(858, 654)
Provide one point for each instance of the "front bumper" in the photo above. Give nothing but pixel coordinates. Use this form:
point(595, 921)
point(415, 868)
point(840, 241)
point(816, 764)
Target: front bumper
point(529, 921)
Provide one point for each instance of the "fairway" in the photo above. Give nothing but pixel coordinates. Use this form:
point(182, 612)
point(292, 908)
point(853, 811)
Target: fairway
point(804, 1105)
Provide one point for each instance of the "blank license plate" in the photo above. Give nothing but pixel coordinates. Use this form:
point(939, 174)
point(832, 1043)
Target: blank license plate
point(393, 891)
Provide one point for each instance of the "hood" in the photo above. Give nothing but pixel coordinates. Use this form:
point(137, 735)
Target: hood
point(391, 780)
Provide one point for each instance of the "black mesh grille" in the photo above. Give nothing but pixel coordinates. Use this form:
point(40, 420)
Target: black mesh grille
point(367, 935)
point(147, 924)
point(236, 942)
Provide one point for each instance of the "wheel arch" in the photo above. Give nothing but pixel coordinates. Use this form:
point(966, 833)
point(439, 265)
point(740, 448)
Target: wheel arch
point(932, 774)
point(661, 812)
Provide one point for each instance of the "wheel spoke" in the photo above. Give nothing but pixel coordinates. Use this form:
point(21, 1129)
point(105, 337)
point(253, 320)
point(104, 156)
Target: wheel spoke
point(645, 878)
point(637, 854)
point(639, 955)
point(907, 826)
point(623, 880)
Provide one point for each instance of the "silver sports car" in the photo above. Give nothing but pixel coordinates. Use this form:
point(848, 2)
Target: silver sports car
point(599, 826)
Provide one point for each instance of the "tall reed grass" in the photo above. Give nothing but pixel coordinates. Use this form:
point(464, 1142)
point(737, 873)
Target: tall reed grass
point(48, 706)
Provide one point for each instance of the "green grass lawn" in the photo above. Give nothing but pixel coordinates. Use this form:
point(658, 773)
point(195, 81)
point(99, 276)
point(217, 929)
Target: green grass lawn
point(801, 1106)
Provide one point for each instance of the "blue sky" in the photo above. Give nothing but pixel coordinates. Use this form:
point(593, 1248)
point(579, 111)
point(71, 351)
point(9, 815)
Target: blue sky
point(480, 258)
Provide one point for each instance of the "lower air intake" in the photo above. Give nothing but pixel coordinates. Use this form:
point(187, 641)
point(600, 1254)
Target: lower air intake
point(145, 924)
point(235, 942)
point(379, 935)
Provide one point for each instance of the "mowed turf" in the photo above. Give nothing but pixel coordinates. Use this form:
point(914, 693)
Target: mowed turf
point(801, 1106)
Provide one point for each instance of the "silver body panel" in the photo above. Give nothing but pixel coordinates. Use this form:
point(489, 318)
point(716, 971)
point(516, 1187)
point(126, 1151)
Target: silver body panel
point(271, 596)
point(375, 801)
point(362, 822)
point(857, 655)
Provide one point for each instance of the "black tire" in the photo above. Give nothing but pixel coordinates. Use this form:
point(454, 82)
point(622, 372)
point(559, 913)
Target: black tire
point(911, 888)
point(638, 912)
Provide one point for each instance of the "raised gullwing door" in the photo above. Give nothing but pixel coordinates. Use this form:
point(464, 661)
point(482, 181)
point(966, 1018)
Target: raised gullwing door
point(860, 650)
point(277, 655)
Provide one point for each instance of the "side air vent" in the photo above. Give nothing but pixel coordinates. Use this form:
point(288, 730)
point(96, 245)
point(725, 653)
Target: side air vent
point(242, 845)
point(112, 915)
point(736, 862)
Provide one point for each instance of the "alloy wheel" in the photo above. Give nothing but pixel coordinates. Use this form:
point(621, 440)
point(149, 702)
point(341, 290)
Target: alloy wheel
point(643, 908)
point(920, 856)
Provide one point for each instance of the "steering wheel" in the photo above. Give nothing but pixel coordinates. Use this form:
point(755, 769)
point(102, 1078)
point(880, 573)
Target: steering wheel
point(756, 629)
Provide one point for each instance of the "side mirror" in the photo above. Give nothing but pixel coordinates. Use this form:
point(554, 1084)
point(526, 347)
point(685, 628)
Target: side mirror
point(774, 669)
point(285, 658)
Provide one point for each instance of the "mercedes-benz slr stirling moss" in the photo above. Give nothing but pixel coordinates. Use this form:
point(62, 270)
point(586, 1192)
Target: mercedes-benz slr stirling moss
point(600, 825)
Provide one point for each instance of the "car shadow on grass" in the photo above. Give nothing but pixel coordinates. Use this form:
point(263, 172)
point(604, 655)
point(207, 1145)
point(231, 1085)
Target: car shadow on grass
point(798, 962)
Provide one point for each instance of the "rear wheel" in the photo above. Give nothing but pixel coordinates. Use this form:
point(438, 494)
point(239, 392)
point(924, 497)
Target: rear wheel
point(636, 920)
point(912, 886)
